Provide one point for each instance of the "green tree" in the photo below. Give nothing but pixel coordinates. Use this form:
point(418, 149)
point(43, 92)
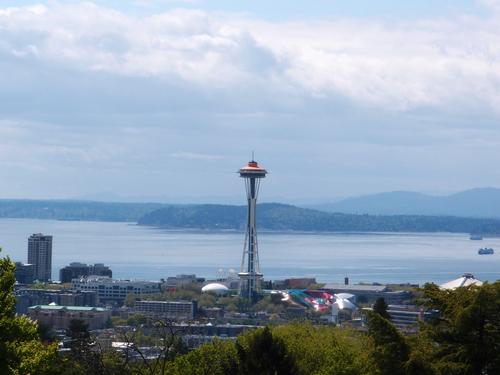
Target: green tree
point(85, 357)
point(217, 358)
point(45, 332)
point(390, 352)
point(466, 330)
point(380, 307)
point(80, 337)
point(21, 351)
point(130, 299)
point(137, 319)
point(260, 352)
point(324, 349)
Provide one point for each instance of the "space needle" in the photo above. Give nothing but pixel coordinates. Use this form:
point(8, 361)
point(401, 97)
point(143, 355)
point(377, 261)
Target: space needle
point(250, 275)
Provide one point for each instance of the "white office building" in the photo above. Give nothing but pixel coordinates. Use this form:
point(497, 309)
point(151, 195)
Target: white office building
point(112, 290)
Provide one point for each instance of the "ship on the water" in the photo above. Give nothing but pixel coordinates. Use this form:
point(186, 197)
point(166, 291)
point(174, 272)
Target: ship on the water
point(476, 237)
point(486, 251)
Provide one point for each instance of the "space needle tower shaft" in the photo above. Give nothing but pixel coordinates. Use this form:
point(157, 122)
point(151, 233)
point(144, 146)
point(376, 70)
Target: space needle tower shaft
point(250, 275)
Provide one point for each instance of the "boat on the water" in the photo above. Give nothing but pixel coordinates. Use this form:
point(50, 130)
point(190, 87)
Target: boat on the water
point(476, 237)
point(485, 251)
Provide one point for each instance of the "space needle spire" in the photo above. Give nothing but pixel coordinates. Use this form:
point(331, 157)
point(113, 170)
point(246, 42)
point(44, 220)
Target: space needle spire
point(250, 275)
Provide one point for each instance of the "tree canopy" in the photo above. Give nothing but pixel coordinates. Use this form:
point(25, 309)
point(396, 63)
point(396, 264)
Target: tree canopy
point(21, 350)
point(461, 338)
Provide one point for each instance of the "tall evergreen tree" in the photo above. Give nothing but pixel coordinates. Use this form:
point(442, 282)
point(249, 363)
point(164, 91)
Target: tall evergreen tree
point(390, 352)
point(380, 307)
point(21, 351)
point(264, 354)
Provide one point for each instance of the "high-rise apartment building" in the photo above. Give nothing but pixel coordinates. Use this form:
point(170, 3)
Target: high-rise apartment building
point(40, 255)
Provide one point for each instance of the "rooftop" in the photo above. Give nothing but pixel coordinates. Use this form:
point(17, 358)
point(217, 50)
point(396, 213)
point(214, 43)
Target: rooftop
point(356, 287)
point(163, 302)
point(109, 280)
point(56, 307)
point(466, 279)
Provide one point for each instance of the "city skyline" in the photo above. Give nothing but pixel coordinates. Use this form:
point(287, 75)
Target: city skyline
point(144, 98)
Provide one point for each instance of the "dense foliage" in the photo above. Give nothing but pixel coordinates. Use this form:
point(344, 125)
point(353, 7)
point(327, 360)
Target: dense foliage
point(467, 332)
point(21, 350)
point(462, 339)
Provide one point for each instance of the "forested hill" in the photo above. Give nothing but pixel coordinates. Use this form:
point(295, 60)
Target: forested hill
point(280, 217)
point(270, 216)
point(74, 210)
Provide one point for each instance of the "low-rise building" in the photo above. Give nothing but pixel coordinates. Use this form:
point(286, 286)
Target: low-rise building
point(407, 317)
point(25, 273)
point(114, 291)
point(213, 312)
point(59, 317)
point(183, 280)
point(176, 310)
point(26, 297)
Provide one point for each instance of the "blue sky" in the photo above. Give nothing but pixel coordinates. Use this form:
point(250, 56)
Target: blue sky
point(298, 9)
point(165, 100)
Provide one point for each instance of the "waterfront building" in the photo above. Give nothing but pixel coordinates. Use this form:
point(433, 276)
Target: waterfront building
point(76, 270)
point(368, 293)
point(250, 275)
point(40, 255)
point(176, 310)
point(112, 290)
point(24, 273)
point(59, 317)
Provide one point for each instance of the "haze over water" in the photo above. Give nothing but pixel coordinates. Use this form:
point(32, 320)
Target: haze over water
point(146, 253)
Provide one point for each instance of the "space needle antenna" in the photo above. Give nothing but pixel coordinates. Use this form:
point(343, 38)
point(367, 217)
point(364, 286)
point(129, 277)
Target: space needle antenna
point(250, 275)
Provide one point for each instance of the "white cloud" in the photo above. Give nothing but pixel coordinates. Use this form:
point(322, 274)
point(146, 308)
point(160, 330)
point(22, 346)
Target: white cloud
point(96, 99)
point(184, 43)
point(391, 64)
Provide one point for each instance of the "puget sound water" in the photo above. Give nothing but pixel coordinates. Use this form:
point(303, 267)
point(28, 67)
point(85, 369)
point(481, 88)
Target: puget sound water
point(136, 252)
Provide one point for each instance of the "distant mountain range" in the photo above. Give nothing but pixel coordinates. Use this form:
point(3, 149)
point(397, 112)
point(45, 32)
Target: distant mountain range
point(473, 211)
point(480, 202)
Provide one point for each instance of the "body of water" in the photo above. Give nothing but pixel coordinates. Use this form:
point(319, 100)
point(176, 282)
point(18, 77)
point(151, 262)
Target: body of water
point(145, 253)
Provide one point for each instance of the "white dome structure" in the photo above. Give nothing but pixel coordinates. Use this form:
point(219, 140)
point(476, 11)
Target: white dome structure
point(467, 279)
point(345, 304)
point(215, 288)
point(344, 295)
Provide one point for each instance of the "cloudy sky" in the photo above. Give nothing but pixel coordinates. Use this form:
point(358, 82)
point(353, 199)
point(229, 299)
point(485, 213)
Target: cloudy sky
point(167, 99)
